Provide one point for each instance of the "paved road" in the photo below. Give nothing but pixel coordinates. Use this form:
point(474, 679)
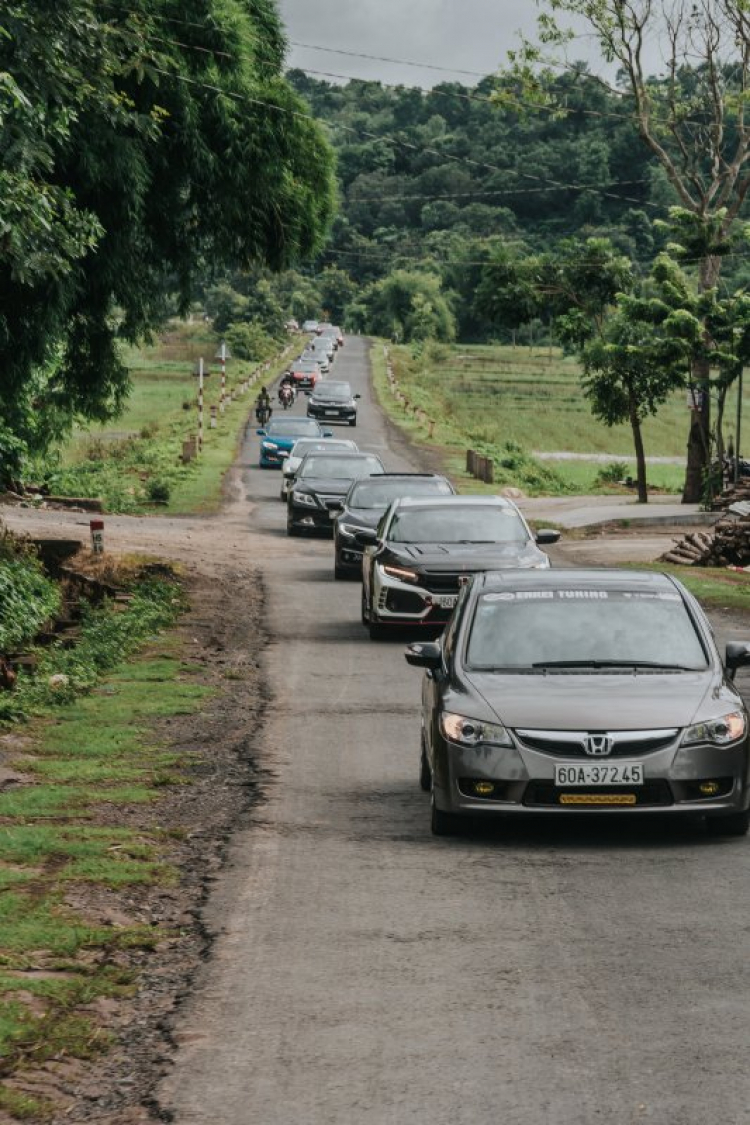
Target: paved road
point(366, 974)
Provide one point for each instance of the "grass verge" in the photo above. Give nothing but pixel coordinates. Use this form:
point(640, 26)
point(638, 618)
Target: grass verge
point(134, 463)
point(74, 773)
point(715, 588)
point(507, 403)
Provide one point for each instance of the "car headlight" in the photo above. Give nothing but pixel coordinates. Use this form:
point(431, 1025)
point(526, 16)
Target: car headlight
point(401, 573)
point(472, 732)
point(269, 445)
point(304, 498)
point(729, 728)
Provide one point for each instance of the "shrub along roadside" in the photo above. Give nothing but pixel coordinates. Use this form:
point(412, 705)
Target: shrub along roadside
point(27, 597)
point(87, 755)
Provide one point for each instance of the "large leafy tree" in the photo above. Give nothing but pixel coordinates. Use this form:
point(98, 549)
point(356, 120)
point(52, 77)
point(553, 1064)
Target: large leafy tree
point(694, 121)
point(142, 147)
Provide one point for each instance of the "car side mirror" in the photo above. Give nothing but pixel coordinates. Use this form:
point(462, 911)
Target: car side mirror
point(737, 656)
point(358, 396)
point(424, 654)
point(335, 505)
point(261, 433)
point(367, 535)
point(546, 536)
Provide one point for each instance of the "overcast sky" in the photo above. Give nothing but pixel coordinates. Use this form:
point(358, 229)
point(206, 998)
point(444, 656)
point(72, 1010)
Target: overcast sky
point(460, 35)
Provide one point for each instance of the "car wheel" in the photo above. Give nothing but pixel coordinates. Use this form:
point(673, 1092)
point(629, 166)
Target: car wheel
point(282, 494)
point(443, 823)
point(425, 774)
point(733, 824)
point(340, 572)
point(291, 529)
point(352, 421)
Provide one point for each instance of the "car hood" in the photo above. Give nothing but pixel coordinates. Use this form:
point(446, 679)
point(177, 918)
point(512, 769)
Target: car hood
point(600, 701)
point(470, 557)
point(283, 442)
point(332, 403)
point(362, 517)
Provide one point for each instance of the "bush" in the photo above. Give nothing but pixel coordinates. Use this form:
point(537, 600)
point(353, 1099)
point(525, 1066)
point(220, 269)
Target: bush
point(612, 473)
point(27, 600)
point(159, 491)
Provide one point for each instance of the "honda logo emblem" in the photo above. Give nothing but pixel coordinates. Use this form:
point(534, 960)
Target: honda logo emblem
point(598, 745)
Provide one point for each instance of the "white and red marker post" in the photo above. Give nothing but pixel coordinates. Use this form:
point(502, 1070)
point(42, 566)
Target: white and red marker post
point(200, 405)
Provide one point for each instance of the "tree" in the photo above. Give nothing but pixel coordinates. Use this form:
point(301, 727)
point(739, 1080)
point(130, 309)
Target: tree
point(694, 123)
point(408, 306)
point(130, 157)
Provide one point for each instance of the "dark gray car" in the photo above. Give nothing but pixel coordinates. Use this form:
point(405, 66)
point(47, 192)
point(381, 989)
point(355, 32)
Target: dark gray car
point(578, 691)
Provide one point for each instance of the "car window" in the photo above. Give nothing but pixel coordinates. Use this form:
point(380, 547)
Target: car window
point(533, 627)
point(334, 390)
point(458, 525)
point(289, 427)
point(340, 467)
point(378, 494)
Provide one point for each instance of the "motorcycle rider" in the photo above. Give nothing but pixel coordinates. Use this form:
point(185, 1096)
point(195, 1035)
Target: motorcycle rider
point(263, 409)
point(286, 395)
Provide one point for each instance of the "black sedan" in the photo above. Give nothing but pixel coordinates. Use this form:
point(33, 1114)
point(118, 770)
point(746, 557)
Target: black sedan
point(322, 480)
point(364, 507)
point(334, 402)
point(579, 691)
point(425, 549)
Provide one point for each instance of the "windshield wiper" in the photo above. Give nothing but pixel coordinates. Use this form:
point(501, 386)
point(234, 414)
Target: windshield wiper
point(613, 664)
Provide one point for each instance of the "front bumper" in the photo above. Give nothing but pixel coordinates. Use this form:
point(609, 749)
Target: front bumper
point(307, 518)
point(402, 603)
point(523, 781)
point(273, 459)
point(331, 414)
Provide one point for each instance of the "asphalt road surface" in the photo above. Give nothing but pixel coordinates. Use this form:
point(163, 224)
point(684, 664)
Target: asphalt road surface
point(365, 973)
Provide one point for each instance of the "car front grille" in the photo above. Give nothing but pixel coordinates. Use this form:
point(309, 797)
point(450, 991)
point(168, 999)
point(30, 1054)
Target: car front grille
point(626, 744)
point(544, 794)
point(438, 583)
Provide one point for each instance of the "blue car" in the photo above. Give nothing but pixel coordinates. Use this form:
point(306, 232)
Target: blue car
point(280, 435)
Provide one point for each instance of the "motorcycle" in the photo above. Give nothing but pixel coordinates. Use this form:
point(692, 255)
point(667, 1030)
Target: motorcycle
point(286, 395)
point(263, 413)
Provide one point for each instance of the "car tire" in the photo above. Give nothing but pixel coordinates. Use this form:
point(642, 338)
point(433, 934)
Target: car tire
point(282, 494)
point(732, 824)
point(353, 422)
point(292, 530)
point(443, 823)
point(339, 573)
point(425, 774)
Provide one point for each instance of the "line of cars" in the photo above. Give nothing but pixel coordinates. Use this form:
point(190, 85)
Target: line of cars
point(547, 691)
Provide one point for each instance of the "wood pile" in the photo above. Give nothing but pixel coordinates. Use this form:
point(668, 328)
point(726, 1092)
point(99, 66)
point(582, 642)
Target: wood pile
point(732, 494)
point(729, 545)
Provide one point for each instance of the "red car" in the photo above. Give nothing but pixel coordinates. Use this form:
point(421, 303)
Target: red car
point(306, 375)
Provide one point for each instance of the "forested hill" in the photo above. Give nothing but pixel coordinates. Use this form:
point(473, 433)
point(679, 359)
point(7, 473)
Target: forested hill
point(430, 176)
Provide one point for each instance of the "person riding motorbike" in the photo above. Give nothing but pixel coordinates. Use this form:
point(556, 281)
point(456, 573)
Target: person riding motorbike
point(286, 395)
point(263, 409)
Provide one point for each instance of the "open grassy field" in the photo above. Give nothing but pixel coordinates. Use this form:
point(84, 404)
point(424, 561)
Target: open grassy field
point(136, 458)
point(489, 395)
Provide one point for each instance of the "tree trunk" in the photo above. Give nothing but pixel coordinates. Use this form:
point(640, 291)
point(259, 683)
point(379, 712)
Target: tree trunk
point(699, 438)
point(640, 456)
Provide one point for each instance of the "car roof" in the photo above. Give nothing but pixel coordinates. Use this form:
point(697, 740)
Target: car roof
point(577, 578)
point(409, 476)
point(347, 453)
point(455, 502)
point(324, 443)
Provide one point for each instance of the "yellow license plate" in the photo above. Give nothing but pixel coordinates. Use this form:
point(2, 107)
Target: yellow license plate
point(597, 798)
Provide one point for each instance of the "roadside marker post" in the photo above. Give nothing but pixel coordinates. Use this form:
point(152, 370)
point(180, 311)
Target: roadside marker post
point(213, 423)
point(97, 536)
point(223, 355)
point(199, 371)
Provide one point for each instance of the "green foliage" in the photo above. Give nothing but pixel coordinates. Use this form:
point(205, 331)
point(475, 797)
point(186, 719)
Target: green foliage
point(250, 341)
point(129, 160)
point(27, 599)
point(612, 473)
point(407, 306)
point(106, 639)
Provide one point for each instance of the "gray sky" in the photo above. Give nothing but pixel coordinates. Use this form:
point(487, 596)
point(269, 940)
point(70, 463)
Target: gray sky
point(464, 34)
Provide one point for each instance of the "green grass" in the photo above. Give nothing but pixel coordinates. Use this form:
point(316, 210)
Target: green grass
point(483, 397)
point(714, 587)
point(85, 755)
point(119, 462)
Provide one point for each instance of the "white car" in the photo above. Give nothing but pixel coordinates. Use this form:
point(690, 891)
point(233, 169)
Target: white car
point(310, 326)
point(310, 445)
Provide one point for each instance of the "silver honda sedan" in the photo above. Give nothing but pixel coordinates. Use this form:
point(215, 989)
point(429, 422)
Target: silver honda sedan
point(566, 691)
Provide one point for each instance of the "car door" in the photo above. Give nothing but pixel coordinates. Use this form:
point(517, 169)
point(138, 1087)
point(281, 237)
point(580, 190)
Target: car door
point(434, 683)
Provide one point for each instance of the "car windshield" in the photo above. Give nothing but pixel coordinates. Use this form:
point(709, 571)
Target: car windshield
point(335, 391)
point(347, 468)
point(290, 427)
point(378, 494)
point(587, 628)
point(309, 444)
point(458, 525)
